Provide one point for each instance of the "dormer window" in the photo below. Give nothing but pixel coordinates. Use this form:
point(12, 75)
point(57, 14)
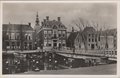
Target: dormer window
point(54, 27)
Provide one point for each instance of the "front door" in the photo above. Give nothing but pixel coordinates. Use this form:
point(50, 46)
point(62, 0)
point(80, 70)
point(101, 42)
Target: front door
point(54, 43)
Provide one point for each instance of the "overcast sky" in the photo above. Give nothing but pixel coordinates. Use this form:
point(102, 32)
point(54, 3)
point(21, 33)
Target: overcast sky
point(101, 13)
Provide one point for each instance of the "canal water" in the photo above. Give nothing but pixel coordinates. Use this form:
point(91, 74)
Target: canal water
point(19, 63)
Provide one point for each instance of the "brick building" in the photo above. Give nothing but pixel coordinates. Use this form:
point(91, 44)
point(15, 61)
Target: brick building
point(17, 36)
point(90, 39)
point(52, 34)
point(86, 39)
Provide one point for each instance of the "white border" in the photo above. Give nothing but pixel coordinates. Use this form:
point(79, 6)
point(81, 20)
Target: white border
point(59, 76)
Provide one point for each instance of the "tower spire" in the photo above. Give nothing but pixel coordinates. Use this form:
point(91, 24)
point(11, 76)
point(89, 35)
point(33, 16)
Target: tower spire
point(37, 19)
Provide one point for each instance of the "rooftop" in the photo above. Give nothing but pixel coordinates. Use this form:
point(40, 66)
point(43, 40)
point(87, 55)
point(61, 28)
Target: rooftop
point(16, 27)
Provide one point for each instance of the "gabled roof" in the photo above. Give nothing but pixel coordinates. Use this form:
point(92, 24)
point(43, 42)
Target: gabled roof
point(72, 36)
point(89, 30)
point(16, 27)
point(53, 23)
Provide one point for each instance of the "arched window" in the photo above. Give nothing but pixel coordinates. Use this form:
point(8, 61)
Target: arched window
point(26, 36)
point(25, 45)
point(29, 37)
point(12, 35)
point(7, 36)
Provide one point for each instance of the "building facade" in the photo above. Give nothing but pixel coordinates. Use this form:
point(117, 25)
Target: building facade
point(17, 37)
point(86, 39)
point(52, 34)
point(108, 39)
point(74, 40)
point(90, 39)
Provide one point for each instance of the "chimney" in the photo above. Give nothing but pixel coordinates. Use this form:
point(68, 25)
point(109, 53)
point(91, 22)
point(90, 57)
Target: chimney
point(59, 19)
point(29, 24)
point(47, 17)
point(44, 20)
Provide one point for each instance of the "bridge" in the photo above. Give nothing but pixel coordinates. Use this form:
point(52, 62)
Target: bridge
point(84, 54)
point(95, 54)
point(60, 58)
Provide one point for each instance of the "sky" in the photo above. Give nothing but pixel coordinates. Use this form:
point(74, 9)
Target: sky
point(103, 14)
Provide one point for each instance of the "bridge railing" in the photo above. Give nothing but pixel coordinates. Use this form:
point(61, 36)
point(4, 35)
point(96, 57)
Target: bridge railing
point(103, 52)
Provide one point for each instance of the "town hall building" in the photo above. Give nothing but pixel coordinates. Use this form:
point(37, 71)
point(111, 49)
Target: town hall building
point(50, 34)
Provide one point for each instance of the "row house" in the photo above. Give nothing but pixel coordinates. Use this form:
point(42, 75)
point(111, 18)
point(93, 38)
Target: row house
point(90, 39)
point(86, 39)
point(108, 40)
point(51, 34)
point(17, 36)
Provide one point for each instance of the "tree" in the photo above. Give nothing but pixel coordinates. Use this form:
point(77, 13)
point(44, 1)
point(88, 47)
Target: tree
point(81, 24)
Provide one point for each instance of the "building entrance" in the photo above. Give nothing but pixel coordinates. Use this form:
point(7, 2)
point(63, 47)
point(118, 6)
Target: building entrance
point(54, 43)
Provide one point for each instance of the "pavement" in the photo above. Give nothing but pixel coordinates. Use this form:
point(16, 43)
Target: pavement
point(110, 69)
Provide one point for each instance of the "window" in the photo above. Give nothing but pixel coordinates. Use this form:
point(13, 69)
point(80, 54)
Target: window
point(59, 32)
point(89, 39)
point(99, 38)
point(49, 44)
point(7, 44)
point(96, 44)
point(63, 32)
point(45, 35)
point(79, 46)
point(12, 35)
point(63, 44)
point(92, 40)
point(59, 44)
point(55, 31)
point(59, 35)
point(55, 35)
point(45, 32)
point(95, 39)
point(63, 35)
point(30, 45)
point(49, 32)
point(49, 35)
point(13, 45)
point(25, 45)
point(17, 36)
point(29, 37)
point(26, 36)
point(7, 35)
point(89, 44)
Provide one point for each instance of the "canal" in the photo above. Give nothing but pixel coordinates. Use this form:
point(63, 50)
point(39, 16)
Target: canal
point(20, 63)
